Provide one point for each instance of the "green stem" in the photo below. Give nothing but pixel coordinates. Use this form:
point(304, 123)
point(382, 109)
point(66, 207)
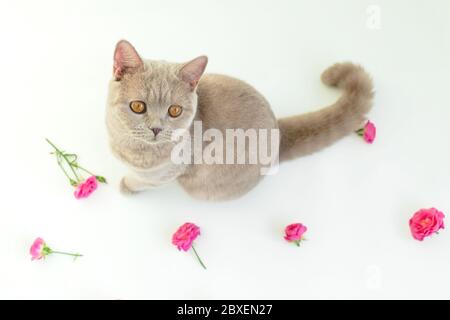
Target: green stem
point(76, 255)
point(64, 170)
point(198, 258)
point(85, 170)
point(62, 154)
point(54, 147)
point(71, 167)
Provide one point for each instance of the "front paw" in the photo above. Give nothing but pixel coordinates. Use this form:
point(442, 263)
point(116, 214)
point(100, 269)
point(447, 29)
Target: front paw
point(125, 189)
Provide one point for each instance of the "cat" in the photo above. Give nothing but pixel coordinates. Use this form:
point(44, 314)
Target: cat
point(150, 100)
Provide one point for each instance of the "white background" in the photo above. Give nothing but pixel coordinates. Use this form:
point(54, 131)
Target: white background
point(355, 198)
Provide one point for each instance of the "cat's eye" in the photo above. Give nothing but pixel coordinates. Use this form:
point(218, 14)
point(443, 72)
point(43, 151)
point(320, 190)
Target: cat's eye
point(175, 110)
point(138, 106)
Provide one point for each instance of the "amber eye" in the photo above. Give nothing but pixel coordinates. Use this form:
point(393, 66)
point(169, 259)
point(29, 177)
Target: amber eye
point(175, 110)
point(138, 106)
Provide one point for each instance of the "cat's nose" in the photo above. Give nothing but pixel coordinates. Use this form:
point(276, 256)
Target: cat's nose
point(156, 131)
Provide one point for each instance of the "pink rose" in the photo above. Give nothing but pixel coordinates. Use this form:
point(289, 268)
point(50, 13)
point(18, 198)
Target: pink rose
point(184, 236)
point(368, 133)
point(37, 249)
point(294, 233)
point(84, 189)
point(425, 222)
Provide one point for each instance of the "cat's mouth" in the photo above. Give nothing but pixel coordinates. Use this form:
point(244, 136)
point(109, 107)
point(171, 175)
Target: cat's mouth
point(147, 140)
point(155, 140)
point(150, 138)
point(158, 139)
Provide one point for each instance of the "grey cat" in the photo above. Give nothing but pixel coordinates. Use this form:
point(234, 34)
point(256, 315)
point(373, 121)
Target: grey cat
point(149, 100)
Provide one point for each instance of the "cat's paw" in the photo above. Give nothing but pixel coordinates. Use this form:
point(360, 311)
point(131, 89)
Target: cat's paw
point(125, 189)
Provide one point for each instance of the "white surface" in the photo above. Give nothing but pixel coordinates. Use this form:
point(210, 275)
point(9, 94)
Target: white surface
point(356, 199)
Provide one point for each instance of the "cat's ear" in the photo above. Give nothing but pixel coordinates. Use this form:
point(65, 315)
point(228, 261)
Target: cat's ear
point(126, 59)
point(192, 71)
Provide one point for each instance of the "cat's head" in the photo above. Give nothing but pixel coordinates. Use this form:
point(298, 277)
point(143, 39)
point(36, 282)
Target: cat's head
point(148, 99)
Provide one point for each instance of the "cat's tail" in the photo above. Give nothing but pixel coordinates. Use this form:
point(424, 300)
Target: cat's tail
point(310, 132)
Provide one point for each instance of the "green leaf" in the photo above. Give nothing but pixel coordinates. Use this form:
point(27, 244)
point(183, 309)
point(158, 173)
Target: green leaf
point(100, 179)
point(72, 158)
point(360, 132)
